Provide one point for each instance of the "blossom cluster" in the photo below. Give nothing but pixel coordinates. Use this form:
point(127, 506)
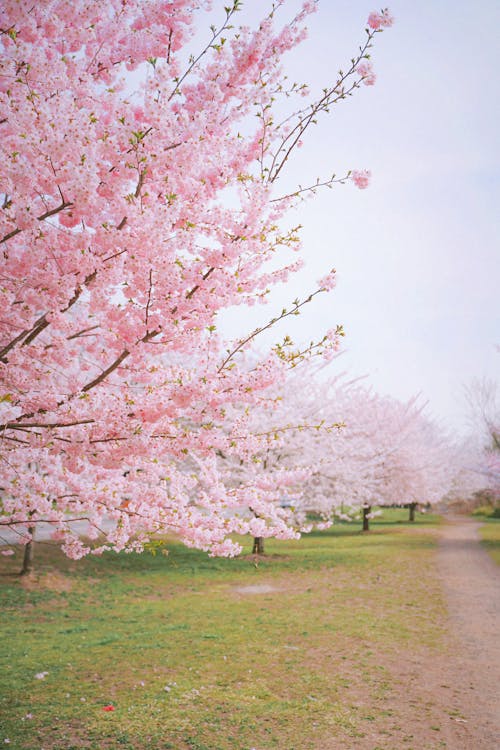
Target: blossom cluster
point(361, 178)
point(382, 20)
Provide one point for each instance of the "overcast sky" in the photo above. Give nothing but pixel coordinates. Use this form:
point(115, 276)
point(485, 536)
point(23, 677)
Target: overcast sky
point(417, 254)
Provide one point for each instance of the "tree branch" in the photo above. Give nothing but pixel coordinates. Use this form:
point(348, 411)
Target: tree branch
point(149, 295)
point(42, 323)
point(284, 314)
point(125, 353)
point(24, 425)
point(42, 217)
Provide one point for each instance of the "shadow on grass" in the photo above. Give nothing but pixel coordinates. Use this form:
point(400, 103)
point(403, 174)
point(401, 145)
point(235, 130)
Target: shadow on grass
point(343, 544)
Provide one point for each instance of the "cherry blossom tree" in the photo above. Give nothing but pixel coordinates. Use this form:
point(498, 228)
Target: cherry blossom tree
point(355, 448)
point(389, 454)
point(142, 194)
point(295, 445)
point(420, 463)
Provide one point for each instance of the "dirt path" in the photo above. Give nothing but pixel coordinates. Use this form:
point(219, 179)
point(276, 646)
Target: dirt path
point(446, 698)
point(471, 581)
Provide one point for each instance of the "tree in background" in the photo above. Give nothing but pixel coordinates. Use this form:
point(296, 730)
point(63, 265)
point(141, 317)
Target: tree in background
point(295, 444)
point(388, 454)
point(421, 461)
point(141, 196)
point(483, 398)
point(342, 448)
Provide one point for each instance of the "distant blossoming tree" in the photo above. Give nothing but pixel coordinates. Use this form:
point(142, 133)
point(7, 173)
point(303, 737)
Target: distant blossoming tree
point(295, 442)
point(140, 197)
point(335, 448)
point(419, 459)
point(483, 397)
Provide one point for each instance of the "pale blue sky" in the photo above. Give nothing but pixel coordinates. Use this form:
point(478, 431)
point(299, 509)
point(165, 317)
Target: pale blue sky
point(417, 254)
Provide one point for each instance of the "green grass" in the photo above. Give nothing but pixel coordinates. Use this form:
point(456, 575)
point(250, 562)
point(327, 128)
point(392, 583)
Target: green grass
point(400, 516)
point(194, 657)
point(487, 511)
point(490, 535)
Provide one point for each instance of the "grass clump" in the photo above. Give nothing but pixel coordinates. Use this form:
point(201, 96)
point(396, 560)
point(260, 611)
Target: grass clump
point(490, 536)
point(487, 511)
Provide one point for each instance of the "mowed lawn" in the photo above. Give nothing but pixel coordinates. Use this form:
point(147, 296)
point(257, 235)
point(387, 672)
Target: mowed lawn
point(293, 651)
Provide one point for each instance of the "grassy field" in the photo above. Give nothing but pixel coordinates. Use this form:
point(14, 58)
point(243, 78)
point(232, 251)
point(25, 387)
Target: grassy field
point(490, 535)
point(286, 652)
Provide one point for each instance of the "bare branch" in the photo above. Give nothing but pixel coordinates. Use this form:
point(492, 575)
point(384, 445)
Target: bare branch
point(312, 188)
point(284, 314)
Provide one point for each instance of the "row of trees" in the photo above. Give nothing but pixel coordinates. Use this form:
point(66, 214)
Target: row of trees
point(143, 193)
point(336, 448)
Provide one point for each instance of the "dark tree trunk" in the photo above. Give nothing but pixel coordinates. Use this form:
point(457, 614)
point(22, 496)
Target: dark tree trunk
point(29, 552)
point(367, 509)
point(258, 545)
point(412, 507)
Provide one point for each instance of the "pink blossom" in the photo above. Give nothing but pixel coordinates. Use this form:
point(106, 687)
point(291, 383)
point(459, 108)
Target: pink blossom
point(309, 6)
point(322, 526)
point(332, 335)
point(365, 70)
point(329, 281)
point(7, 552)
point(380, 20)
point(361, 178)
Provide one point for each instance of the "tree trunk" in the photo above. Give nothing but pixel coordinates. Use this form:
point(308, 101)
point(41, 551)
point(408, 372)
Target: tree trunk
point(29, 551)
point(412, 507)
point(258, 545)
point(367, 509)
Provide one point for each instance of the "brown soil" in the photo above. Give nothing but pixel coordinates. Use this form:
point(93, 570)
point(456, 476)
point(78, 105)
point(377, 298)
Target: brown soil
point(261, 588)
point(52, 580)
point(471, 582)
